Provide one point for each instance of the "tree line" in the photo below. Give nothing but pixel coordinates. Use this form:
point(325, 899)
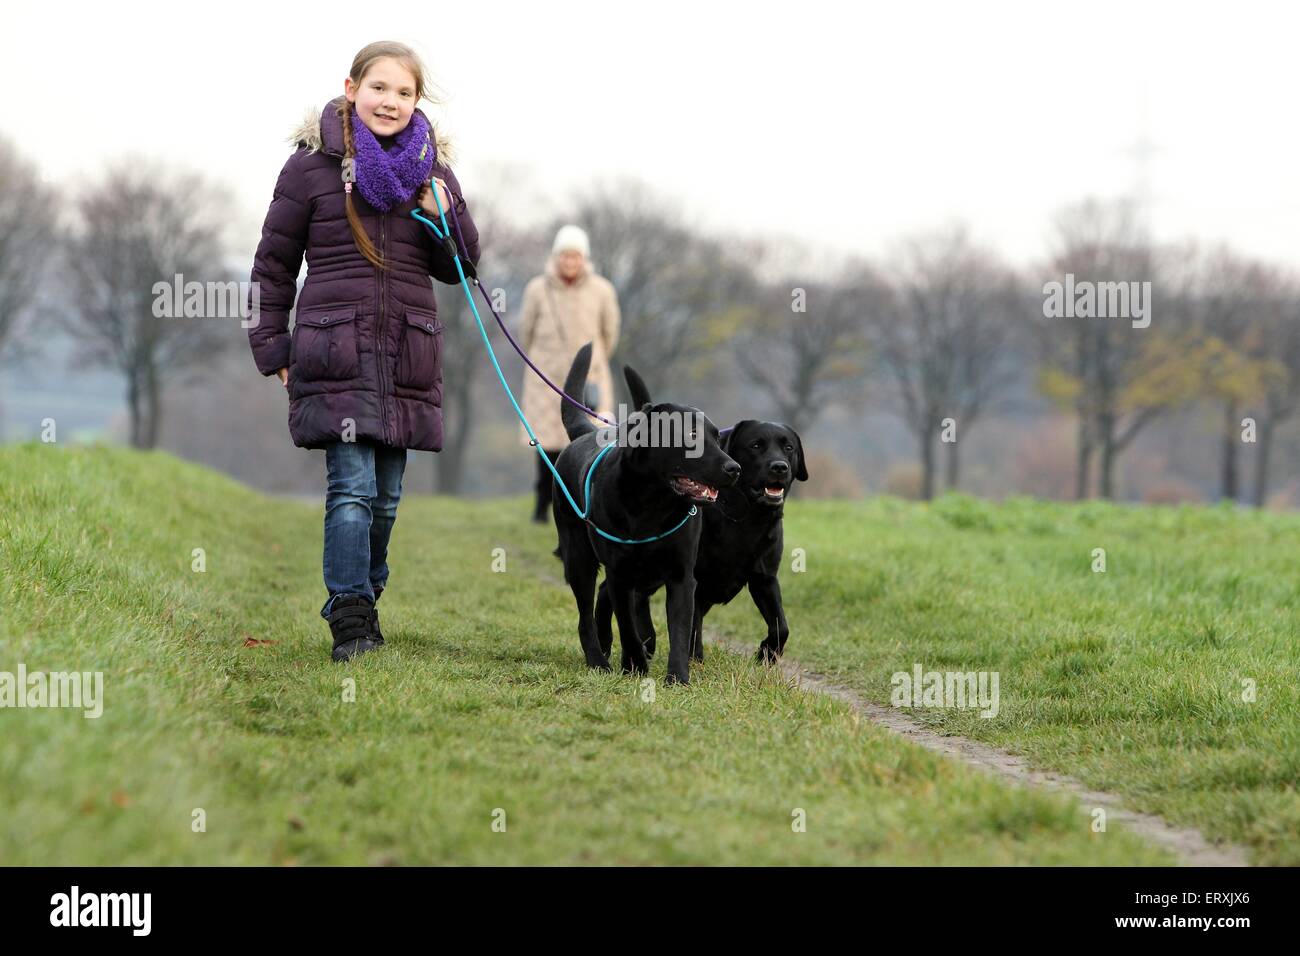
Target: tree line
point(941, 330)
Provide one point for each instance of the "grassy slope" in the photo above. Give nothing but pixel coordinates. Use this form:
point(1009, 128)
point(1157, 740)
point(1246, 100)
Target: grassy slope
point(1131, 679)
point(480, 702)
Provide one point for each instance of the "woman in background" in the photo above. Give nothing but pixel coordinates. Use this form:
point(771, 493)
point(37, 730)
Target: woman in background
point(566, 307)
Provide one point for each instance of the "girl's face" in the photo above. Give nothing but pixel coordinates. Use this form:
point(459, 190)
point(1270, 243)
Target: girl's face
point(385, 97)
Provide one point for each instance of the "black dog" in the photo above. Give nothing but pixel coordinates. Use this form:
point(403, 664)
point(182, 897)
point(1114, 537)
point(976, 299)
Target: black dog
point(637, 492)
point(743, 537)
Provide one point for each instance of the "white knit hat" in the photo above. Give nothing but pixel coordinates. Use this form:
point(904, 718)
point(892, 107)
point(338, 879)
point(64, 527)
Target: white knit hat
point(571, 237)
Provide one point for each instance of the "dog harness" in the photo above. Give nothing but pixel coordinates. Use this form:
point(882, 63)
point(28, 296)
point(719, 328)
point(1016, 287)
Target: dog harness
point(586, 496)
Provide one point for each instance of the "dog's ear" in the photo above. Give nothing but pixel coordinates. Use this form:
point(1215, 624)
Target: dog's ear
point(801, 473)
point(732, 432)
point(640, 394)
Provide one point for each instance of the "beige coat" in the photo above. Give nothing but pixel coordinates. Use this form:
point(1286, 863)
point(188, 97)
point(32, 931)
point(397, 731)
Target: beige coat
point(558, 319)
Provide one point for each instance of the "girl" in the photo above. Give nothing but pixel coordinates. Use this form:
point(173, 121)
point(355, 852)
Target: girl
point(363, 363)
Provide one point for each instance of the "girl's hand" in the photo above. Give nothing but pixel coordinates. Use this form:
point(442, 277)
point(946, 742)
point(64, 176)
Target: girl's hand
point(425, 196)
point(284, 376)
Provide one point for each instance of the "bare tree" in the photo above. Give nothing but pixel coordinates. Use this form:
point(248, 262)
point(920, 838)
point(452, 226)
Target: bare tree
point(673, 283)
point(804, 342)
point(1117, 378)
point(140, 226)
point(1279, 317)
point(1225, 300)
point(986, 342)
point(28, 224)
point(946, 339)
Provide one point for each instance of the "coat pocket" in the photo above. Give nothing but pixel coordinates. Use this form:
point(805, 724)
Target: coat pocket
point(417, 362)
point(325, 343)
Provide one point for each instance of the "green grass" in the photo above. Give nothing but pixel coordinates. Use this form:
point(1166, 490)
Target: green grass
point(1131, 679)
point(479, 702)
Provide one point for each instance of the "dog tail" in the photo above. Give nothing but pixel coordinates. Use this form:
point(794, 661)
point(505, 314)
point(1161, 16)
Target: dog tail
point(636, 387)
point(576, 422)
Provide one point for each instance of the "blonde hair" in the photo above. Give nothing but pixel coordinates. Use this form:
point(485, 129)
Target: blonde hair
point(370, 54)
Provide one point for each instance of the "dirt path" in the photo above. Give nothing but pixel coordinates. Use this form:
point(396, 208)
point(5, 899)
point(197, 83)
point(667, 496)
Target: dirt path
point(1188, 845)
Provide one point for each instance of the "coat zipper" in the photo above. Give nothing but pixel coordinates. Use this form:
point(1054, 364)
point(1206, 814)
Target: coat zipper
point(383, 361)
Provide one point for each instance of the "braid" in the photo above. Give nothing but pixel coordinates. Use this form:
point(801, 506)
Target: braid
point(354, 221)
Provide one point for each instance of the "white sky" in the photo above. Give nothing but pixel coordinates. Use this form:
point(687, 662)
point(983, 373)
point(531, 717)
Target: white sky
point(845, 125)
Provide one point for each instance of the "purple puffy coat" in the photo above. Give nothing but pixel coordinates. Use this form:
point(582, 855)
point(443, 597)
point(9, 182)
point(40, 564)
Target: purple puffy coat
point(366, 345)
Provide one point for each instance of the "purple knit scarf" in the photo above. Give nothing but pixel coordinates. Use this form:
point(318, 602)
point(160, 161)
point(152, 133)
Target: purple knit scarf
point(388, 178)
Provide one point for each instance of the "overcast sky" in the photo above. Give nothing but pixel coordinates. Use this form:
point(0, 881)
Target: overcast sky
point(843, 124)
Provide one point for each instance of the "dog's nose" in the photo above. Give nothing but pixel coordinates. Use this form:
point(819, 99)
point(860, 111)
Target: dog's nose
point(780, 468)
point(731, 470)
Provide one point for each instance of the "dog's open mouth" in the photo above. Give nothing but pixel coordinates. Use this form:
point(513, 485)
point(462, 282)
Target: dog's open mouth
point(695, 490)
point(774, 492)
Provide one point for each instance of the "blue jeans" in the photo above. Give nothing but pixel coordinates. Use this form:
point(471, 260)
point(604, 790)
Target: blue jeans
point(365, 484)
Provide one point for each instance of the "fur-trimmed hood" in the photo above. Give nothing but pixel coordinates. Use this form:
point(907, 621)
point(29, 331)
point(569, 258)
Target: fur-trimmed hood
point(322, 130)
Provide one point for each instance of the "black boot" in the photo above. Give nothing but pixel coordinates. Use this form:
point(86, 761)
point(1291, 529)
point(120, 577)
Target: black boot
point(544, 486)
point(350, 625)
point(375, 634)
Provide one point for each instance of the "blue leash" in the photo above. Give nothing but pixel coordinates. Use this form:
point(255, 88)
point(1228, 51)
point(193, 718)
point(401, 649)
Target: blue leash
point(444, 236)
